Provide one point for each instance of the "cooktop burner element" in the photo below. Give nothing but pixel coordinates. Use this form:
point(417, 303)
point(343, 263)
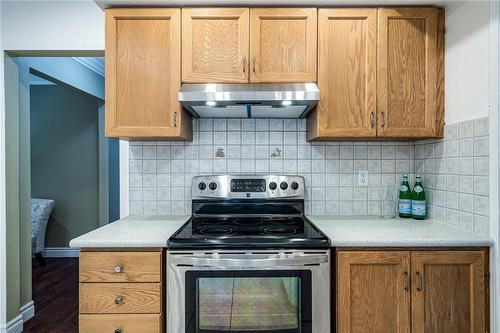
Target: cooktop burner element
point(248, 212)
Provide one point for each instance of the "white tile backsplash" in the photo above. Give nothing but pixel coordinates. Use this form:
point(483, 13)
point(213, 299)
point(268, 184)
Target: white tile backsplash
point(455, 169)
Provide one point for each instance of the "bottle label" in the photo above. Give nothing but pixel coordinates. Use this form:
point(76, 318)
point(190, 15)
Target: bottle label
point(403, 188)
point(419, 208)
point(418, 189)
point(404, 206)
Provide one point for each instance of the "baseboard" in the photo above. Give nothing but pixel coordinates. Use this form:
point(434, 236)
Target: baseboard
point(13, 326)
point(61, 252)
point(28, 311)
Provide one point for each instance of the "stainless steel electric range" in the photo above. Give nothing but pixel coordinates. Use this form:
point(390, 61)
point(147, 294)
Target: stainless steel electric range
point(248, 260)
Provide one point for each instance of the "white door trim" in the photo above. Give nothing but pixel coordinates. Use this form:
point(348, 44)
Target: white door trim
point(3, 230)
point(27, 311)
point(13, 326)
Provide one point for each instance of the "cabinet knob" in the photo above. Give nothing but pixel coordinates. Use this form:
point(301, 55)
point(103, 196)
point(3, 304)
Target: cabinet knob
point(118, 330)
point(118, 300)
point(118, 269)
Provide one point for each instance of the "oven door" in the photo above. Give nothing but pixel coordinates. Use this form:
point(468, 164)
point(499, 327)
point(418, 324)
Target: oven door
point(242, 292)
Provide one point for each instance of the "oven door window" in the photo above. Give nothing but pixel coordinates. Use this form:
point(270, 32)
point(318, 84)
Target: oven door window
point(248, 301)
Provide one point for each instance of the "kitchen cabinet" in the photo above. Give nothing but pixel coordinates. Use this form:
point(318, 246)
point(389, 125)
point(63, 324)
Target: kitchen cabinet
point(407, 72)
point(380, 74)
point(215, 45)
point(240, 45)
point(283, 44)
point(373, 291)
point(121, 291)
point(346, 74)
point(143, 74)
point(446, 289)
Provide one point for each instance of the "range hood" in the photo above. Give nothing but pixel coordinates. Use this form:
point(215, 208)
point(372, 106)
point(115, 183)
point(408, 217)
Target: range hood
point(215, 100)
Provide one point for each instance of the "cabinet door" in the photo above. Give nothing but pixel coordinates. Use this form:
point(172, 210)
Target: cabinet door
point(448, 291)
point(143, 74)
point(407, 72)
point(215, 45)
point(283, 44)
point(373, 292)
point(346, 74)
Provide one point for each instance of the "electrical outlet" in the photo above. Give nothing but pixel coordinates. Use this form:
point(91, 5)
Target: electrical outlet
point(363, 178)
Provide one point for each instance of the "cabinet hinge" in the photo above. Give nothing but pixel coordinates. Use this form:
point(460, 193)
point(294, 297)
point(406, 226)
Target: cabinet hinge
point(175, 119)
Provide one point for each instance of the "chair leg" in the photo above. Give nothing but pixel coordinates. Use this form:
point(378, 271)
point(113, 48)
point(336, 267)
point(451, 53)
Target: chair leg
point(39, 258)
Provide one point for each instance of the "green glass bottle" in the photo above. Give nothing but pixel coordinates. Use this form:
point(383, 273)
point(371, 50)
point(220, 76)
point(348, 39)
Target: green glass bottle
point(418, 200)
point(404, 206)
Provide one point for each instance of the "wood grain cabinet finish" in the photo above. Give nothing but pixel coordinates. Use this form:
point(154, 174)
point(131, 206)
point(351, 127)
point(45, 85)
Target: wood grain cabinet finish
point(448, 292)
point(408, 72)
point(283, 44)
point(373, 292)
point(215, 45)
point(346, 75)
point(124, 323)
point(143, 76)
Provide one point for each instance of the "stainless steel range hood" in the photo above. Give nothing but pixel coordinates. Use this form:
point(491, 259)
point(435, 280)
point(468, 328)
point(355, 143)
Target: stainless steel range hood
point(214, 100)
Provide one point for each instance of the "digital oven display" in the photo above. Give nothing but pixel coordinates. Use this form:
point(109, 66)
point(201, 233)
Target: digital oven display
point(248, 185)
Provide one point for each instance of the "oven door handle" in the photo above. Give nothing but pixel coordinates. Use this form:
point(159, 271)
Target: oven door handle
point(245, 262)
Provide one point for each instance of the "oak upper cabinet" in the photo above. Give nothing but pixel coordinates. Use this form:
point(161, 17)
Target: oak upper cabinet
point(283, 44)
point(408, 72)
point(143, 74)
point(448, 293)
point(215, 45)
point(373, 291)
point(347, 54)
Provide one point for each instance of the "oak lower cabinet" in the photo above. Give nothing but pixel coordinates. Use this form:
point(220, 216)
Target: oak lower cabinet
point(380, 74)
point(143, 75)
point(411, 291)
point(122, 291)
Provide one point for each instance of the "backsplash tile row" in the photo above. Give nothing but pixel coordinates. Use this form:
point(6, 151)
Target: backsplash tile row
point(161, 171)
point(456, 173)
point(455, 170)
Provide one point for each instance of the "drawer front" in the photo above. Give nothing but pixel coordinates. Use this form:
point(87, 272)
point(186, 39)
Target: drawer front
point(120, 298)
point(140, 323)
point(120, 266)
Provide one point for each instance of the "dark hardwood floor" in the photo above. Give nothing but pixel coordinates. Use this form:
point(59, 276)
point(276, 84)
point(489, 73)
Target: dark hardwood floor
point(55, 292)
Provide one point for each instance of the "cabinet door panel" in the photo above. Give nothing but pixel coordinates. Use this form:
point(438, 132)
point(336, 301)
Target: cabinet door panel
point(373, 292)
point(142, 73)
point(283, 43)
point(346, 74)
point(215, 44)
point(407, 72)
point(448, 291)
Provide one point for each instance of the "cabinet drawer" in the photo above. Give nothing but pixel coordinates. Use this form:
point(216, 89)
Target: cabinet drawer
point(145, 323)
point(120, 298)
point(120, 266)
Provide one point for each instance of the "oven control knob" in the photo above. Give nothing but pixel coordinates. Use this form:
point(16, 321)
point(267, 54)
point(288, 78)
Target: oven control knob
point(273, 185)
point(283, 185)
point(294, 186)
point(202, 186)
point(212, 186)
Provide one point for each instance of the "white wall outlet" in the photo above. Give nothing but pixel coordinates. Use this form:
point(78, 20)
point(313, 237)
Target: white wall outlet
point(363, 178)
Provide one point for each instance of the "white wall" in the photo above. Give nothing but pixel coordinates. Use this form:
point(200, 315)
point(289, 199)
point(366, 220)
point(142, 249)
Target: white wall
point(467, 64)
point(52, 25)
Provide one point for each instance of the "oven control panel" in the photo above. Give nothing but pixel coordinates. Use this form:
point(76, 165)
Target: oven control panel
point(248, 187)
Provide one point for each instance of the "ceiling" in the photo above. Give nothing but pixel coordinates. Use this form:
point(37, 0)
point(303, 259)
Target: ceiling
point(266, 3)
point(94, 63)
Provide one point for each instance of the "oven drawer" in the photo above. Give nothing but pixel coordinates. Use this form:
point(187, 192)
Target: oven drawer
point(120, 266)
point(137, 323)
point(120, 298)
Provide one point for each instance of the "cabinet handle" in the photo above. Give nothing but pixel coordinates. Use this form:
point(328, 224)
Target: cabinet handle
point(372, 119)
point(420, 281)
point(118, 330)
point(175, 119)
point(253, 64)
point(383, 119)
point(244, 64)
point(118, 300)
point(118, 269)
point(407, 281)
